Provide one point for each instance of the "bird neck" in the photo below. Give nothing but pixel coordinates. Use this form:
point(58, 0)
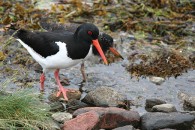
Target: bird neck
point(78, 50)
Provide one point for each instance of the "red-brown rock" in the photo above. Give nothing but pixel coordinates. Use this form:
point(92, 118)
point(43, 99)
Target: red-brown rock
point(85, 121)
point(112, 117)
point(100, 110)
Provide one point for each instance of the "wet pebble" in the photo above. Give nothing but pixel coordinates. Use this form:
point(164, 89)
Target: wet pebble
point(192, 57)
point(189, 104)
point(127, 127)
point(57, 106)
point(175, 120)
point(167, 129)
point(61, 116)
point(111, 117)
point(152, 102)
point(104, 96)
point(54, 125)
point(157, 80)
point(188, 101)
point(75, 104)
point(164, 108)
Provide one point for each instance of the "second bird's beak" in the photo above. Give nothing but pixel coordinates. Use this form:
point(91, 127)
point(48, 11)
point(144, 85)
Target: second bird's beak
point(115, 52)
point(97, 45)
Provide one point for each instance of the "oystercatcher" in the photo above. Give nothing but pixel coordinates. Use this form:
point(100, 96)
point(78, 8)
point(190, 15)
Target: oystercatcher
point(105, 40)
point(55, 51)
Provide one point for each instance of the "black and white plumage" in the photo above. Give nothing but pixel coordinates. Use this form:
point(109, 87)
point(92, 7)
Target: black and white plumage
point(105, 40)
point(59, 50)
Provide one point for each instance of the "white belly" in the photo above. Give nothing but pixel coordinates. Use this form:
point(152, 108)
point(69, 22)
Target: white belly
point(60, 60)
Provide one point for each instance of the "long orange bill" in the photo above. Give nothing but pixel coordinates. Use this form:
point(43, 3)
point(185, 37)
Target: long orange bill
point(97, 45)
point(115, 52)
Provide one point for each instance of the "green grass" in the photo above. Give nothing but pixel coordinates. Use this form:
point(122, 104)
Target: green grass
point(23, 110)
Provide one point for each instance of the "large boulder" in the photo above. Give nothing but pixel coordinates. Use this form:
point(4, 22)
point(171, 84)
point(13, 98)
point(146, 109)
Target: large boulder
point(112, 117)
point(105, 96)
point(174, 120)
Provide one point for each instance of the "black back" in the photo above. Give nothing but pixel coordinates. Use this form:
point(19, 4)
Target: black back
point(104, 39)
point(77, 44)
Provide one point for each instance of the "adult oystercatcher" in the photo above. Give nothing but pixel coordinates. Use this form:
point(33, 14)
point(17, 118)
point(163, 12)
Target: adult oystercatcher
point(59, 50)
point(105, 40)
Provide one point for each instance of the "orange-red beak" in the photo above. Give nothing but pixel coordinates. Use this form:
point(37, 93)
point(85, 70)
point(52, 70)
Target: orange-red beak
point(97, 45)
point(115, 52)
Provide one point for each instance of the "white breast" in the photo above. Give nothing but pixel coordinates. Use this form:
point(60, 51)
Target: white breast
point(60, 60)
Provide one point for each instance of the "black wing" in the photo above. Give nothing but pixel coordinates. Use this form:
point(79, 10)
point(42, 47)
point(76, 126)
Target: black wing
point(42, 42)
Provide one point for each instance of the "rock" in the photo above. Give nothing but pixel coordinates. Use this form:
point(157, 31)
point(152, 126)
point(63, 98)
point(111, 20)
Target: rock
point(192, 57)
point(157, 80)
point(167, 129)
point(127, 127)
point(189, 104)
point(75, 104)
point(85, 121)
point(152, 102)
point(174, 120)
point(54, 125)
point(57, 106)
point(164, 108)
point(188, 101)
point(74, 94)
point(112, 117)
point(183, 96)
point(61, 116)
point(104, 96)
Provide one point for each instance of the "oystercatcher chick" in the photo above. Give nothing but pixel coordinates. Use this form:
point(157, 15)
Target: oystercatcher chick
point(55, 51)
point(105, 40)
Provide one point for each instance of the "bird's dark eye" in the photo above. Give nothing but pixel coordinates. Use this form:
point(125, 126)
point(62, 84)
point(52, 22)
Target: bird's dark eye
point(90, 32)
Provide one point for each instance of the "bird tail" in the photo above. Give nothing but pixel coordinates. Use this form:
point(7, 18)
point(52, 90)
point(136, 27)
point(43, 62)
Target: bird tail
point(12, 29)
point(15, 31)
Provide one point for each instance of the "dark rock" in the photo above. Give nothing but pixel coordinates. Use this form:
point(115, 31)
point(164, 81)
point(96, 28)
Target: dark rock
point(54, 125)
point(188, 101)
point(152, 102)
point(105, 96)
point(112, 117)
point(164, 108)
point(85, 121)
point(75, 104)
point(174, 120)
point(192, 57)
point(127, 127)
point(57, 106)
point(189, 104)
point(167, 129)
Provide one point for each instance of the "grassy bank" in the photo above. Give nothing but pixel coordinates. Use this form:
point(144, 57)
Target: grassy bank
point(23, 110)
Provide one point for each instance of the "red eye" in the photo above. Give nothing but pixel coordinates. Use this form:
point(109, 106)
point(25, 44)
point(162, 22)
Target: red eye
point(90, 32)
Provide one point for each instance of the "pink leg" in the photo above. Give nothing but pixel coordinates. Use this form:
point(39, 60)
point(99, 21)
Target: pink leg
point(42, 79)
point(61, 88)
